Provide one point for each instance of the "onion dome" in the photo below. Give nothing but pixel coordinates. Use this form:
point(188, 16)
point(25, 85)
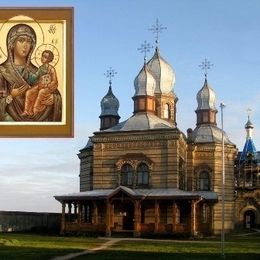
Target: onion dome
point(206, 98)
point(249, 124)
point(162, 72)
point(109, 104)
point(144, 83)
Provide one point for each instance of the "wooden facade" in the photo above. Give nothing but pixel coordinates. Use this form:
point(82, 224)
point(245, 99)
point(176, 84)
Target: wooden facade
point(113, 204)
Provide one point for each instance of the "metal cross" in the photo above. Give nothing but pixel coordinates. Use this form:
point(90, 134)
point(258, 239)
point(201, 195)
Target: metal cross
point(110, 74)
point(145, 47)
point(249, 111)
point(206, 65)
point(157, 28)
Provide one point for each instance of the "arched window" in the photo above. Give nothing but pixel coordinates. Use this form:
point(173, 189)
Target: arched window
point(204, 183)
point(166, 111)
point(127, 175)
point(142, 174)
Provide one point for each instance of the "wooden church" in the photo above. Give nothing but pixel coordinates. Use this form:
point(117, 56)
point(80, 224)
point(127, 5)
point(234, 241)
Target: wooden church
point(144, 175)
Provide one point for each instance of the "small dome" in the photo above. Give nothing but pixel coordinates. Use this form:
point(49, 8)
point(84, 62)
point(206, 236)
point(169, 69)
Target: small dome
point(144, 83)
point(249, 124)
point(109, 104)
point(162, 72)
point(206, 97)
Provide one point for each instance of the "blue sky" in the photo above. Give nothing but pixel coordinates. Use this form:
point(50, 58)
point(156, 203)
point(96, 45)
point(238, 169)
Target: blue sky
point(107, 34)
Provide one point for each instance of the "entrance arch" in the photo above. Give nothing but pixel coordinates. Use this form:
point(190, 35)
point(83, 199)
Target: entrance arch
point(249, 219)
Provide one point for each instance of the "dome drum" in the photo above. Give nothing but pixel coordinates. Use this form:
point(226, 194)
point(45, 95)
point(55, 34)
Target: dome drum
point(206, 116)
point(144, 104)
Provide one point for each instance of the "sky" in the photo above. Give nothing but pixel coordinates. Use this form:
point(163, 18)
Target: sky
point(107, 33)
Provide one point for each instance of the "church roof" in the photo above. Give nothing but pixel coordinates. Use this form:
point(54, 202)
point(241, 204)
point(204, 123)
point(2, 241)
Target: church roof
point(139, 193)
point(141, 121)
point(89, 144)
point(249, 149)
point(209, 134)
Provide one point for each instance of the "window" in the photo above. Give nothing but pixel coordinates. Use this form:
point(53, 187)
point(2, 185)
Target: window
point(142, 174)
point(127, 175)
point(166, 111)
point(205, 117)
point(204, 181)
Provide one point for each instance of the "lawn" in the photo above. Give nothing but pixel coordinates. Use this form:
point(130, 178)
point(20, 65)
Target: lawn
point(236, 247)
point(30, 246)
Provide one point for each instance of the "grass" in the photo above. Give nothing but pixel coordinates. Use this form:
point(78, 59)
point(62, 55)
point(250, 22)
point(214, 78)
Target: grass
point(29, 246)
point(236, 248)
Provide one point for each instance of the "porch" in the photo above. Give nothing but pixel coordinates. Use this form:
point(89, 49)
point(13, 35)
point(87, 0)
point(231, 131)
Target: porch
point(126, 210)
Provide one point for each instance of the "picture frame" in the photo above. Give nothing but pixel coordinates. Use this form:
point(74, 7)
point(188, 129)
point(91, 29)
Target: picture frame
point(36, 72)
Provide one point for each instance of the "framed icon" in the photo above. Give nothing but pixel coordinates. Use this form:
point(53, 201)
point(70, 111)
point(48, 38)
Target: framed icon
point(36, 72)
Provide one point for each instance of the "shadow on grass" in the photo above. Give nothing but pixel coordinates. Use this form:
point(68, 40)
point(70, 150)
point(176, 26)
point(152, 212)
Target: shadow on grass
point(130, 255)
point(32, 253)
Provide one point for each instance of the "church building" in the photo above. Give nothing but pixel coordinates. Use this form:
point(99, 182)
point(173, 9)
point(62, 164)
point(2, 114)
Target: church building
point(247, 182)
point(145, 176)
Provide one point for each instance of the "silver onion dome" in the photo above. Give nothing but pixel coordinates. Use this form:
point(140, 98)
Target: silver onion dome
point(109, 104)
point(144, 83)
point(162, 72)
point(206, 97)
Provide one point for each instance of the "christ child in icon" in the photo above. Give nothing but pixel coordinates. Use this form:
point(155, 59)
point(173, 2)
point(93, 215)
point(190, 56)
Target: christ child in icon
point(44, 83)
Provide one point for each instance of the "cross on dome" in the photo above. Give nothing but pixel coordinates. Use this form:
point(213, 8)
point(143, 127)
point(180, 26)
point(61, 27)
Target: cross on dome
point(206, 65)
point(110, 73)
point(145, 47)
point(157, 29)
point(249, 112)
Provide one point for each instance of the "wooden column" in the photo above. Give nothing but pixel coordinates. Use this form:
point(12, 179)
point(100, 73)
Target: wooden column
point(79, 220)
point(63, 217)
point(69, 213)
point(75, 212)
point(156, 216)
point(111, 222)
point(137, 223)
point(174, 216)
point(108, 212)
